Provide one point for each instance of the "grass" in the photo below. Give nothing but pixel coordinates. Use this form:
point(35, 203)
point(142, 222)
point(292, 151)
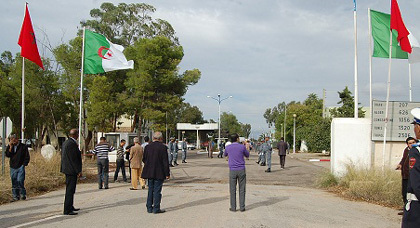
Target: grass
point(41, 176)
point(370, 185)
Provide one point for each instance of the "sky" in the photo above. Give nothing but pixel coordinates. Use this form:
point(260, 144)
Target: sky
point(261, 52)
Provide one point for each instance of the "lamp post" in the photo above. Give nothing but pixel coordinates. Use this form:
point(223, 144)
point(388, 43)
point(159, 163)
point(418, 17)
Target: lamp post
point(294, 133)
point(281, 130)
point(219, 100)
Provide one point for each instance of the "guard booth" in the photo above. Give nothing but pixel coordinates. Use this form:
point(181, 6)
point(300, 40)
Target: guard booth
point(201, 130)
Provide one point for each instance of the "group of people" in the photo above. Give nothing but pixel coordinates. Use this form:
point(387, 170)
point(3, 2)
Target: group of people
point(153, 155)
point(173, 148)
point(265, 150)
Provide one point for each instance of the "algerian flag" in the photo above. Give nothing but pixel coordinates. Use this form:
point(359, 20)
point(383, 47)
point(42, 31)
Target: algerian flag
point(102, 56)
point(381, 26)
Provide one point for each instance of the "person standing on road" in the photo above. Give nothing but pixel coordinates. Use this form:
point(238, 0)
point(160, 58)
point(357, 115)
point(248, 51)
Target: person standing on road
point(184, 148)
point(283, 147)
point(146, 142)
point(236, 153)
point(19, 158)
point(71, 166)
point(136, 157)
point(101, 151)
point(171, 146)
point(176, 153)
point(156, 169)
point(120, 162)
point(221, 149)
point(267, 150)
point(411, 217)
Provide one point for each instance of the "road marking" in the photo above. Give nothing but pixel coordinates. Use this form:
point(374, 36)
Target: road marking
point(319, 160)
point(37, 221)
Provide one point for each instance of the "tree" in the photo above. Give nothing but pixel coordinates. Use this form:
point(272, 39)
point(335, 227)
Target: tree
point(155, 86)
point(229, 124)
point(125, 23)
point(245, 130)
point(347, 105)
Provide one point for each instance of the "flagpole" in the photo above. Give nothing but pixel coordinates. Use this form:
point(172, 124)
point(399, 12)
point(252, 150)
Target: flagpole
point(356, 93)
point(388, 90)
point(409, 82)
point(370, 63)
point(23, 100)
point(81, 91)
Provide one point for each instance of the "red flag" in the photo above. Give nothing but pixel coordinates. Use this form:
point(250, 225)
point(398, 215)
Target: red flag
point(27, 41)
point(398, 24)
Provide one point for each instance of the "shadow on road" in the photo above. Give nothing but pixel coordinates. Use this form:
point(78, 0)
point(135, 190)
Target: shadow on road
point(197, 203)
point(265, 203)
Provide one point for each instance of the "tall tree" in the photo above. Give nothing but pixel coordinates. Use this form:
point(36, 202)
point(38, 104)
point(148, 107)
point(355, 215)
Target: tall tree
point(347, 105)
point(155, 86)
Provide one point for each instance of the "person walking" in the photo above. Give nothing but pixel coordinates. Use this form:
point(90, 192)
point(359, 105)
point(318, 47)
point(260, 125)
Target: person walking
point(283, 147)
point(267, 149)
point(136, 157)
point(156, 170)
point(237, 175)
point(19, 159)
point(120, 162)
point(175, 153)
point(171, 146)
point(101, 151)
point(71, 166)
point(184, 148)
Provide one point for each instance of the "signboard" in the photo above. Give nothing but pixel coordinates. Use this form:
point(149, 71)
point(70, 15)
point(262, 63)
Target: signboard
point(8, 127)
point(399, 124)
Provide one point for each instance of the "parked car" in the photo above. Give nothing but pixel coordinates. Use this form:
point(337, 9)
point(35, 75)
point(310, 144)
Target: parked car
point(191, 146)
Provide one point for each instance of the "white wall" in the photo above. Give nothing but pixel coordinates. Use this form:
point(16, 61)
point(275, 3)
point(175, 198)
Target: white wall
point(350, 143)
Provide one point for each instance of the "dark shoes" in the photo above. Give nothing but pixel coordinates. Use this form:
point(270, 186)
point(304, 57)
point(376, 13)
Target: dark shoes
point(76, 209)
point(23, 197)
point(243, 209)
point(143, 187)
point(159, 211)
point(401, 213)
point(263, 164)
point(15, 199)
point(133, 189)
point(257, 162)
point(176, 164)
point(184, 162)
point(268, 171)
point(71, 213)
point(171, 165)
point(233, 210)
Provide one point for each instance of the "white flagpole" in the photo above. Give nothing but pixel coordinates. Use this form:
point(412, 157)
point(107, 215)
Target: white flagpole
point(387, 99)
point(370, 62)
point(23, 100)
point(409, 82)
point(81, 91)
point(356, 92)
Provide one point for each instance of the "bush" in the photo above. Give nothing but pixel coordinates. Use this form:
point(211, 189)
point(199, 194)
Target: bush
point(371, 185)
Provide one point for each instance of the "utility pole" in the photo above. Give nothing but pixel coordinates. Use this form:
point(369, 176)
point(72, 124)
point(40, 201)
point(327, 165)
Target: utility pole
point(323, 103)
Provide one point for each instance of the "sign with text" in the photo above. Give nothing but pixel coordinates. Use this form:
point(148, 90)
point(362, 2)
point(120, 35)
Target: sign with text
point(399, 124)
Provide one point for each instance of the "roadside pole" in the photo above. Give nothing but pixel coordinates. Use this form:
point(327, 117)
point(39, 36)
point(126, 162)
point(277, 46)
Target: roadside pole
point(3, 143)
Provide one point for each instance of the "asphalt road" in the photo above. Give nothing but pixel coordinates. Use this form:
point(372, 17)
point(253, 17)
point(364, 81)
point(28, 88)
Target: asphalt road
point(197, 196)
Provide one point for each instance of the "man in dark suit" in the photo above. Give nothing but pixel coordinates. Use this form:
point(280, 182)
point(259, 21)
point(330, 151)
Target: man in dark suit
point(156, 169)
point(283, 148)
point(71, 166)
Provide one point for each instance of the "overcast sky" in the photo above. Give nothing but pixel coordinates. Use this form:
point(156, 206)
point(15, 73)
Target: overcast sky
point(261, 52)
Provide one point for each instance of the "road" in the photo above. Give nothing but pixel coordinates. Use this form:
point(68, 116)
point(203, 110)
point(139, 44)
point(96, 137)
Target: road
point(197, 196)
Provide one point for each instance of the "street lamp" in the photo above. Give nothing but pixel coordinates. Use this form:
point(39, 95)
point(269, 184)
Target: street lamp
point(219, 100)
point(294, 133)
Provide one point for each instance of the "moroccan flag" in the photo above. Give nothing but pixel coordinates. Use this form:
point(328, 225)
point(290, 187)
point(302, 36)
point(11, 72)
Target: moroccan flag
point(380, 23)
point(102, 56)
point(27, 41)
point(398, 24)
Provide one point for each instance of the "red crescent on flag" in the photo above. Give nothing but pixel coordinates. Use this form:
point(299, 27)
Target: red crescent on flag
point(100, 52)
